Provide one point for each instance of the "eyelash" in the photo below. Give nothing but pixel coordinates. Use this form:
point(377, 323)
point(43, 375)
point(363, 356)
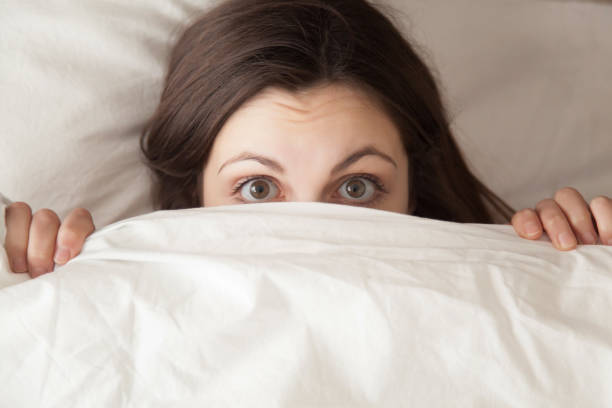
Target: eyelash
point(381, 190)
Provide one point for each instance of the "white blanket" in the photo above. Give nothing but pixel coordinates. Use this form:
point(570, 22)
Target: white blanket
point(309, 304)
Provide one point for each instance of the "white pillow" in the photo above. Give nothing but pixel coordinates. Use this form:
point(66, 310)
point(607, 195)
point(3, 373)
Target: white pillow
point(78, 81)
point(310, 304)
point(527, 85)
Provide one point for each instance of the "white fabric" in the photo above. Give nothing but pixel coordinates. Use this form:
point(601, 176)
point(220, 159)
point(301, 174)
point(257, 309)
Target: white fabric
point(527, 82)
point(310, 304)
point(78, 80)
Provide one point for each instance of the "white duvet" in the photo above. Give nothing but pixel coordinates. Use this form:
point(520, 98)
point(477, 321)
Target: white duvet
point(309, 304)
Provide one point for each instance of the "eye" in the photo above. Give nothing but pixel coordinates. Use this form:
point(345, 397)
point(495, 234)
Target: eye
point(360, 188)
point(258, 189)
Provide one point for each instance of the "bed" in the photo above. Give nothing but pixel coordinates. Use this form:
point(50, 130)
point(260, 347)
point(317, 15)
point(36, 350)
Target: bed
point(305, 304)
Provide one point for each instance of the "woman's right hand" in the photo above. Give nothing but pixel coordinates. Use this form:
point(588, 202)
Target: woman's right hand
point(35, 243)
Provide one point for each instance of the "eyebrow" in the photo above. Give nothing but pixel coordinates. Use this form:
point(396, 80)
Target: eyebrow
point(274, 165)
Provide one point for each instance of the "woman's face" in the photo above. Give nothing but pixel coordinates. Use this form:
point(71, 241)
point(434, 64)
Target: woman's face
point(330, 144)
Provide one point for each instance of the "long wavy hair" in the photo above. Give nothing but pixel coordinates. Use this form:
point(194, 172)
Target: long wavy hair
point(240, 47)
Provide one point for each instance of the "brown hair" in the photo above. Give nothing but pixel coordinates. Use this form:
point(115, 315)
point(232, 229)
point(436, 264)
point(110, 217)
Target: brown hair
point(240, 47)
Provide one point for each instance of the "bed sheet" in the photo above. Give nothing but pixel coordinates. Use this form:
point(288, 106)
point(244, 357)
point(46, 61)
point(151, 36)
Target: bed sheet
point(309, 304)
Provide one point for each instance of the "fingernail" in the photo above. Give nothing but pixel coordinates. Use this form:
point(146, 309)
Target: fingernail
point(19, 265)
point(566, 240)
point(589, 238)
point(610, 241)
point(532, 229)
point(62, 255)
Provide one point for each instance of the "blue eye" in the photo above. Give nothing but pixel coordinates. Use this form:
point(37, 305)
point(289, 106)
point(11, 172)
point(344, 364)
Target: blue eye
point(258, 189)
point(358, 188)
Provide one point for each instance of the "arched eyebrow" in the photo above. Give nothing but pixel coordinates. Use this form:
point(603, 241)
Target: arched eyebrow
point(275, 166)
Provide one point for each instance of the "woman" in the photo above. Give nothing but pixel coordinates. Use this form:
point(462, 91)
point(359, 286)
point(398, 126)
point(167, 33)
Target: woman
point(305, 100)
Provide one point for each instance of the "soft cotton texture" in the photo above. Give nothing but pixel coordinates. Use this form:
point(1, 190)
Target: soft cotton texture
point(309, 304)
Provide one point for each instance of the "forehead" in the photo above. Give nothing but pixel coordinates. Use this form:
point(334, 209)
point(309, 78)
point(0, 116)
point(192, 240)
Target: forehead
point(311, 101)
point(326, 116)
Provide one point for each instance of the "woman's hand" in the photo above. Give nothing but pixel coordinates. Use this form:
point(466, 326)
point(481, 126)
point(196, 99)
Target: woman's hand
point(34, 243)
point(568, 220)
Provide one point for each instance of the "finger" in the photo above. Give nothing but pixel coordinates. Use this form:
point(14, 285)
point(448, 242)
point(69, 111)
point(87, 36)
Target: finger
point(556, 225)
point(527, 224)
point(578, 214)
point(72, 233)
point(41, 245)
point(601, 207)
point(17, 217)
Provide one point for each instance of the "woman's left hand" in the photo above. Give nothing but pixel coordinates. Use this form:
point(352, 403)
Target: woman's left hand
point(568, 220)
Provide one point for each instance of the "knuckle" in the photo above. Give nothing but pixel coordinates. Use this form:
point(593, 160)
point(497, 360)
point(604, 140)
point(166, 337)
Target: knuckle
point(522, 214)
point(13, 243)
point(15, 250)
point(80, 221)
point(600, 201)
point(554, 220)
point(81, 213)
point(566, 193)
point(46, 217)
point(20, 205)
point(581, 220)
point(544, 203)
point(19, 209)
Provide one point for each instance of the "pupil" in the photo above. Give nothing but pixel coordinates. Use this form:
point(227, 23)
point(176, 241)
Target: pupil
point(259, 189)
point(356, 188)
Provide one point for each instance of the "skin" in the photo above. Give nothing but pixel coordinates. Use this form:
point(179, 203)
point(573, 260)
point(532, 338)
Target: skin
point(307, 134)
